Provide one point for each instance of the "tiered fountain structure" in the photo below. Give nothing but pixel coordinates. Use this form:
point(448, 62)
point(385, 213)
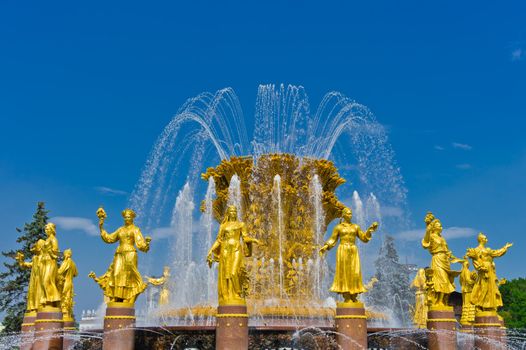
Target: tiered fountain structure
point(287, 203)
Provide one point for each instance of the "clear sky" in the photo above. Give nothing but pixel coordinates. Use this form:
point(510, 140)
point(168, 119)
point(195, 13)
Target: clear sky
point(86, 88)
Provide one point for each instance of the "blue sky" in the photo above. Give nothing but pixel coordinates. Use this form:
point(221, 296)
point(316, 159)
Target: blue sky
point(85, 89)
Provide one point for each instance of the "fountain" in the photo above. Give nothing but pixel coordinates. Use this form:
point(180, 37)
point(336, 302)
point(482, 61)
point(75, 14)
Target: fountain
point(287, 186)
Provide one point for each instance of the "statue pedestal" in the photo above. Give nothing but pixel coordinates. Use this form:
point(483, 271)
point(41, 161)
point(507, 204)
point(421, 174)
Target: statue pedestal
point(69, 328)
point(441, 323)
point(28, 330)
point(351, 326)
point(466, 339)
point(232, 327)
point(119, 327)
point(48, 329)
point(488, 331)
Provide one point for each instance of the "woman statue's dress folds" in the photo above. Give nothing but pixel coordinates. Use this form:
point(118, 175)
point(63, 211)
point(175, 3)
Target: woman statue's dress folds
point(67, 271)
point(50, 295)
point(34, 288)
point(122, 282)
point(485, 294)
point(348, 274)
point(230, 248)
point(420, 310)
point(443, 277)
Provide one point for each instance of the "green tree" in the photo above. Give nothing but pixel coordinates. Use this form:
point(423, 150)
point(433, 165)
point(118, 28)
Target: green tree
point(514, 300)
point(14, 280)
point(392, 293)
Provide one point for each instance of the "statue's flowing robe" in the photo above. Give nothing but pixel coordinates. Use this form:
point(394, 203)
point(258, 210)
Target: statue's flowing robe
point(33, 291)
point(443, 276)
point(231, 250)
point(67, 271)
point(485, 292)
point(123, 280)
point(348, 274)
point(48, 272)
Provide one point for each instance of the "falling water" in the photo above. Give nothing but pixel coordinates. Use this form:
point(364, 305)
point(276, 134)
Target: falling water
point(276, 200)
point(234, 195)
point(319, 220)
point(210, 127)
point(182, 221)
point(358, 210)
point(208, 222)
point(373, 209)
point(272, 278)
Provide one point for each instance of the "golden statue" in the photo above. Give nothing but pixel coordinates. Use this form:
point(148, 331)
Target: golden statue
point(164, 294)
point(33, 291)
point(348, 277)
point(229, 249)
point(442, 276)
point(420, 310)
point(370, 284)
point(66, 272)
point(467, 281)
point(122, 282)
point(50, 295)
point(486, 295)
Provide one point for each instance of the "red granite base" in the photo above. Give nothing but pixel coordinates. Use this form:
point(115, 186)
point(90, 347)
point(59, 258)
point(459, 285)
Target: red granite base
point(119, 323)
point(28, 330)
point(351, 327)
point(232, 327)
point(489, 332)
point(48, 330)
point(442, 326)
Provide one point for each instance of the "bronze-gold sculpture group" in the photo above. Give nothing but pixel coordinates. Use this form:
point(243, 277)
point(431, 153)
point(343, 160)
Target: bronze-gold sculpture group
point(51, 290)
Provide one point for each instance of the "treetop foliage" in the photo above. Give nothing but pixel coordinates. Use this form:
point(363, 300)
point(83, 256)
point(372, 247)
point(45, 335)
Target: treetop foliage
point(514, 300)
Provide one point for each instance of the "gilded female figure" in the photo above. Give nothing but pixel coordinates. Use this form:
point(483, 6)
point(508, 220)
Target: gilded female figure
point(33, 291)
point(442, 277)
point(122, 282)
point(230, 248)
point(486, 295)
point(67, 271)
point(348, 277)
point(467, 281)
point(50, 296)
point(164, 294)
point(420, 311)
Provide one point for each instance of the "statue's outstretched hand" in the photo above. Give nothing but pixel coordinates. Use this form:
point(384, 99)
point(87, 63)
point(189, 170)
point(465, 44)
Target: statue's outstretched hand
point(209, 259)
point(92, 275)
point(374, 226)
